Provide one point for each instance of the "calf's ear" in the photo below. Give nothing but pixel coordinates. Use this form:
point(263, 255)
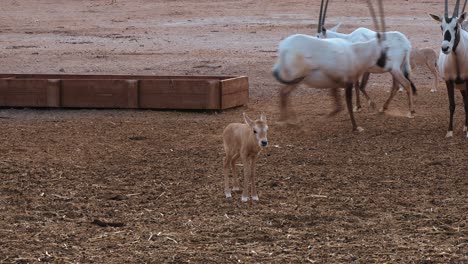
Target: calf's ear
point(247, 120)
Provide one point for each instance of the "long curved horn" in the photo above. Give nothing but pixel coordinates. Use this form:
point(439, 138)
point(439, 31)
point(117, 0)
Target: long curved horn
point(324, 13)
point(464, 5)
point(319, 29)
point(457, 7)
point(382, 17)
point(446, 9)
point(374, 18)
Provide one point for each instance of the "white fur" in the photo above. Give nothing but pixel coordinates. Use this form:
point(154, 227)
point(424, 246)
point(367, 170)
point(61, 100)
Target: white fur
point(399, 47)
point(398, 54)
point(446, 62)
point(452, 65)
point(449, 134)
point(325, 63)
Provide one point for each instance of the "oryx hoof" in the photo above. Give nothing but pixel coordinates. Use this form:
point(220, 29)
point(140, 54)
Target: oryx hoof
point(244, 198)
point(400, 90)
point(465, 128)
point(357, 109)
point(228, 195)
point(358, 129)
point(410, 115)
point(382, 110)
point(449, 134)
point(433, 90)
point(334, 112)
point(255, 198)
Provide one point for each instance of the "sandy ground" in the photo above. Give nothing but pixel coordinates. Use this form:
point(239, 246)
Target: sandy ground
point(396, 193)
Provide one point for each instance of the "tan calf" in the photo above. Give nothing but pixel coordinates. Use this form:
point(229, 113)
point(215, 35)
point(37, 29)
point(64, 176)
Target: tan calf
point(244, 141)
point(426, 57)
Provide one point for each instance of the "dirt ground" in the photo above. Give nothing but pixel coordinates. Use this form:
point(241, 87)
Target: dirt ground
point(395, 193)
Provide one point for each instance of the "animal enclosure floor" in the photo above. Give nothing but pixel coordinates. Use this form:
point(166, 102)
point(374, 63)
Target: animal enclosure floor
point(118, 186)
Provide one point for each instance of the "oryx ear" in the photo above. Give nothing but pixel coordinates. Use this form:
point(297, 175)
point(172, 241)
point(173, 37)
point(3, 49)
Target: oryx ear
point(247, 120)
point(324, 32)
point(335, 28)
point(461, 18)
point(263, 117)
point(436, 18)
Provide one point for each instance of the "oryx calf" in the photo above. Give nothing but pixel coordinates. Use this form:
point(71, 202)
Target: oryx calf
point(452, 62)
point(426, 57)
point(244, 141)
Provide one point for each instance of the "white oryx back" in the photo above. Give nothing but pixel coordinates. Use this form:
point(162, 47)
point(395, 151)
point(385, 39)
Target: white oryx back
point(399, 47)
point(325, 63)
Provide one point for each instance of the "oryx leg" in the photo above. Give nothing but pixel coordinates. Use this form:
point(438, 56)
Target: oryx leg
point(349, 104)
point(362, 88)
point(246, 160)
point(406, 83)
point(284, 98)
point(227, 162)
point(235, 178)
point(451, 96)
point(433, 70)
point(465, 101)
point(338, 106)
point(357, 108)
point(253, 180)
point(393, 92)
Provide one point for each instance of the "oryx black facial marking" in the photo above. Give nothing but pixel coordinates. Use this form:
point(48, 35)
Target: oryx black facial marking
point(447, 36)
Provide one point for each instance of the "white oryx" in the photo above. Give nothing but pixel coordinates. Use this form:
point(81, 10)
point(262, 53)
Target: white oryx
point(397, 64)
point(327, 63)
point(453, 59)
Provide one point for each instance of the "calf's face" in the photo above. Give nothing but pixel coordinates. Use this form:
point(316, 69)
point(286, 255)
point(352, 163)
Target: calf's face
point(259, 129)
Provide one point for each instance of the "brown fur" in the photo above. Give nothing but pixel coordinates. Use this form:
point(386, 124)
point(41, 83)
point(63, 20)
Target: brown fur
point(426, 57)
point(240, 141)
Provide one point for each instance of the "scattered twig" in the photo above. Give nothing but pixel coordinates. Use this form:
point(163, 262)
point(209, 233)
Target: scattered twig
point(62, 197)
point(318, 196)
point(160, 195)
point(106, 224)
point(173, 240)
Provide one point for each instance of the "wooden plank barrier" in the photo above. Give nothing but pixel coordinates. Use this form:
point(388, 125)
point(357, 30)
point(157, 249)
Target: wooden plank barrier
point(123, 91)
